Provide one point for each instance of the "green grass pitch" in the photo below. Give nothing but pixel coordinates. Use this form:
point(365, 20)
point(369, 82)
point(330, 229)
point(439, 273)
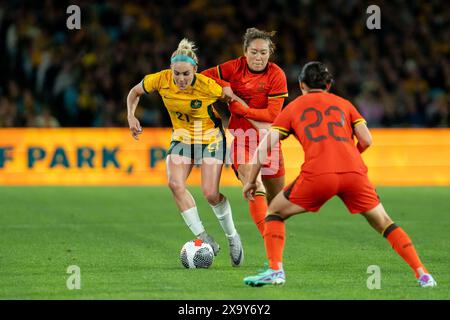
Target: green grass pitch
point(126, 241)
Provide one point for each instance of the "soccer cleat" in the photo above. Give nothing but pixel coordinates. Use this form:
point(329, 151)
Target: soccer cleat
point(427, 280)
point(210, 240)
point(236, 250)
point(273, 277)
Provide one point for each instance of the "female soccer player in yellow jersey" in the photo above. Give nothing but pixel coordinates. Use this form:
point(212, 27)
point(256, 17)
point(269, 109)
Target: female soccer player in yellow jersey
point(197, 138)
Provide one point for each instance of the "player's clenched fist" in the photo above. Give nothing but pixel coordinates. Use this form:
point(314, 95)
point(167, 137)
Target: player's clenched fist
point(249, 190)
point(135, 127)
point(227, 94)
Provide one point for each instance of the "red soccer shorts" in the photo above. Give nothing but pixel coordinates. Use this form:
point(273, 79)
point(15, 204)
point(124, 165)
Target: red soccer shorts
point(242, 152)
point(354, 189)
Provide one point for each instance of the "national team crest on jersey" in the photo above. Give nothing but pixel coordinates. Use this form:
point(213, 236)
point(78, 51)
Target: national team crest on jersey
point(196, 104)
point(261, 87)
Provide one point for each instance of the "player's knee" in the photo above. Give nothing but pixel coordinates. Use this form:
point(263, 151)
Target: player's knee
point(212, 196)
point(176, 186)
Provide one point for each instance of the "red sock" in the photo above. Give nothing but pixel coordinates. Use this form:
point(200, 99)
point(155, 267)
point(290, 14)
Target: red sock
point(258, 210)
point(402, 244)
point(274, 235)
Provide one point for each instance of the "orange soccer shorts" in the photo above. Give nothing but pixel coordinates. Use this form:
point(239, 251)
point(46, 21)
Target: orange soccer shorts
point(242, 152)
point(354, 189)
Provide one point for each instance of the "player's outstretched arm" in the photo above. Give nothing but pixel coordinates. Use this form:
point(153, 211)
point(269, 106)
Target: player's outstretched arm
point(267, 114)
point(132, 102)
point(364, 137)
point(260, 156)
point(241, 107)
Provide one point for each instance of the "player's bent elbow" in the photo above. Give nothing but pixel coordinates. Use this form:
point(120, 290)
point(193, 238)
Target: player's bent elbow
point(363, 145)
point(363, 135)
point(366, 141)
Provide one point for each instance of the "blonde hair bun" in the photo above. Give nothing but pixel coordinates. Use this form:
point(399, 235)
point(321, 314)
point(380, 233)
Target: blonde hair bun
point(185, 44)
point(186, 48)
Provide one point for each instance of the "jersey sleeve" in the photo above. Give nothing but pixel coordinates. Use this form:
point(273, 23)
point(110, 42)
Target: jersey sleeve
point(152, 82)
point(236, 108)
point(266, 114)
point(355, 117)
point(222, 73)
point(214, 73)
point(278, 87)
point(214, 89)
point(283, 123)
point(226, 70)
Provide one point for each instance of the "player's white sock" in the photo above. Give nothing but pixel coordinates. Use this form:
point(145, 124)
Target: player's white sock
point(222, 210)
point(193, 221)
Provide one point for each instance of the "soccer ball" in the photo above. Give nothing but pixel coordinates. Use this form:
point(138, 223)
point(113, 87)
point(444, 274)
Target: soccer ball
point(196, 254)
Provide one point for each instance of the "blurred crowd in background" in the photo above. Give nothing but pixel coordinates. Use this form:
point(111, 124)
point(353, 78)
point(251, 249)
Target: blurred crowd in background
point(398, 76)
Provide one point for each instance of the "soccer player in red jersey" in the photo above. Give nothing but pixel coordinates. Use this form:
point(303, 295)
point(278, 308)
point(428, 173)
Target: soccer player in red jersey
point(262, 86)
point(325, 125)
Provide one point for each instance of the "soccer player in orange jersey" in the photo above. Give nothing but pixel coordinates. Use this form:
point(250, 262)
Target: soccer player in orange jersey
point(325, 125)
point(262, 86)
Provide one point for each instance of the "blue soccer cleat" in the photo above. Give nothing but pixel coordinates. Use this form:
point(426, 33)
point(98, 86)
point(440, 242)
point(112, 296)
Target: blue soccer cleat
point(269, 276)
point(427, 280)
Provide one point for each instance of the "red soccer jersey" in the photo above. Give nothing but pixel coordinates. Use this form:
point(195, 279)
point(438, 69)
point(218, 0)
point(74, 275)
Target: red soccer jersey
point(324, 124)
point(264, 91)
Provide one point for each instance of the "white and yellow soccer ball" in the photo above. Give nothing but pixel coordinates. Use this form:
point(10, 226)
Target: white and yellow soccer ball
point(196, 254)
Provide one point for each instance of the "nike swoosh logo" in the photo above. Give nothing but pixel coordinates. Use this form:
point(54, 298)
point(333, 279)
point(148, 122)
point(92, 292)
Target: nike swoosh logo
point(238, 260)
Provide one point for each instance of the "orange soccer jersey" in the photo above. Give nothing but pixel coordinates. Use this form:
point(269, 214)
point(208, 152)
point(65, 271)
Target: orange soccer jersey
point(323, 123)
point(263, 91)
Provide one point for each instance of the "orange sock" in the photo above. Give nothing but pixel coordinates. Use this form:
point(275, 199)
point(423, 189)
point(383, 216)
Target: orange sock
point(274, 235)
point(402, 244)
point(258, 210)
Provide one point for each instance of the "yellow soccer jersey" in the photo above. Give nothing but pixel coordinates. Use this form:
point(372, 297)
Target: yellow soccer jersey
point(193, 118)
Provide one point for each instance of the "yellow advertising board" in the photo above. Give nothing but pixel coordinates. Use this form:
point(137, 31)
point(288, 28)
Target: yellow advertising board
point(110, 156)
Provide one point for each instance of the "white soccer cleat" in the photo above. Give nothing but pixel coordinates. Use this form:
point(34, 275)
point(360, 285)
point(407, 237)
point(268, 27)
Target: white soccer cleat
point(236, 250)
point(206, 238)
point(427, 280)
